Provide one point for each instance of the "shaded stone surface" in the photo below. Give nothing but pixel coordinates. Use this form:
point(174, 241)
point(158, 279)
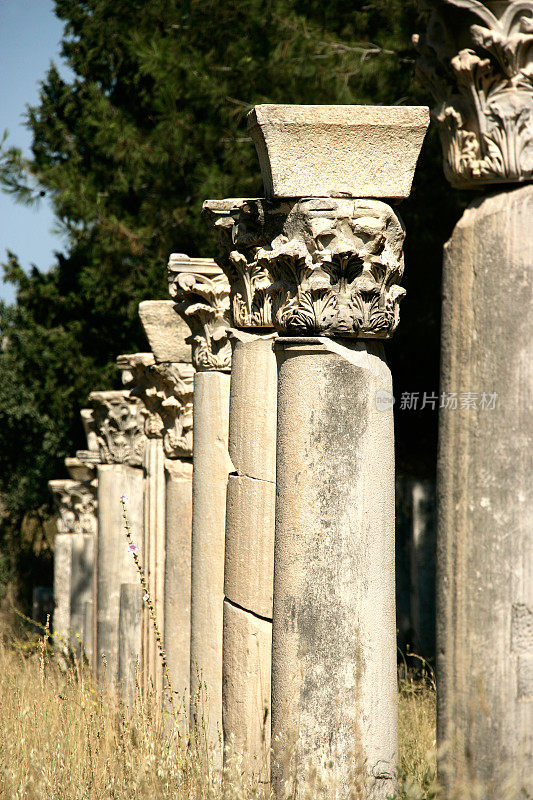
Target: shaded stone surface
point(485, 520)
point(129, 641)
point(178, 533)
point(62, 583)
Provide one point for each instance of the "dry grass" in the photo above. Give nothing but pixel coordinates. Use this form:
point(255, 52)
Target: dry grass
point(417, 718)
point(62, 740)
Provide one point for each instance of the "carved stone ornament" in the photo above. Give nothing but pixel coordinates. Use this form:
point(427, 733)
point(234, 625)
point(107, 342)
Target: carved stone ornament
point(76, 505)
point(477, 58)
point(201, 292)
point(173, 387)
point(135, 377)
point(119, 427)
point(251, 301)
point(334, 265)
point(166, 393)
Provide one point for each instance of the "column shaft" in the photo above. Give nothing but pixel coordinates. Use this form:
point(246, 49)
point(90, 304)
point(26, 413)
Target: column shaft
point(129, 640)
point(62, 584)
point(484, 555)
point(249, 559)
point(210, 477)
point(81, 591)
point(177, 637)
point(153, 562)
point(115, 564)
point(334, 692)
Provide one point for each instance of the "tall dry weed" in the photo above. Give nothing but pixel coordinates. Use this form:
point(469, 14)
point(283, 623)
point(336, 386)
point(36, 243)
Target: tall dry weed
point(62, 739)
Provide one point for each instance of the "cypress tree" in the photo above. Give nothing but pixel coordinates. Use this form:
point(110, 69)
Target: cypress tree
point(151, 124)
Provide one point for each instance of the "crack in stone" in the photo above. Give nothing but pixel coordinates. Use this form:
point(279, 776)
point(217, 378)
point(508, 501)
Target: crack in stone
point(237, 474)
point(247, 610)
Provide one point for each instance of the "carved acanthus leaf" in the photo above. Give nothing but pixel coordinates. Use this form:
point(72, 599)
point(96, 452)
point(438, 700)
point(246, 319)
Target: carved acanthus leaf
point(334, 265)
point(479, 66)
point(76, 505)
point(236, 223)
point(201, 292)
point(119, 427)
point(136, 377)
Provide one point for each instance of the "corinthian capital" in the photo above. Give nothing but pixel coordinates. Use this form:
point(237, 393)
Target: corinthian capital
point(172, 389)
point(75, 502)
point(477, 58)
point(165, 392)
point(136, 377)
point(119, 427)
point(239, 233)
point(201, 292)
point(333, 265)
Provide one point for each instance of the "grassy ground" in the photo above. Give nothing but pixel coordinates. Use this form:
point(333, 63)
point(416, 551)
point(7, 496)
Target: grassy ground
point(62, 740)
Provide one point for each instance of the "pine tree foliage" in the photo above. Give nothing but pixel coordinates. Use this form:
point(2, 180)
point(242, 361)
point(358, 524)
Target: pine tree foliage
point(153, 123)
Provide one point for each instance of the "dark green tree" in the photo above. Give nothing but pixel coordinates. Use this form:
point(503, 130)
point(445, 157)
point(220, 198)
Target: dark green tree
point(152, 123)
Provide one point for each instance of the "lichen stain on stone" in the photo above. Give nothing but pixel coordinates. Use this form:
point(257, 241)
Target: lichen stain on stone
point(522, 645)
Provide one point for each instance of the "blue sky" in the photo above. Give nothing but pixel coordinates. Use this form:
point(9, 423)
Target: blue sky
point(29, 40)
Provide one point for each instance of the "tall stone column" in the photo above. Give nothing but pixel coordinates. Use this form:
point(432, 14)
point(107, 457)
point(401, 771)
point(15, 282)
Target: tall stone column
point(119, 429)
point(91, 458)
point(178, 477)
point(166, 391)
point(334, 266)
point(201, 292)
point(74, 556)
point(249, 557)
point(168, 335)
point(137, 374)
point(478, 59)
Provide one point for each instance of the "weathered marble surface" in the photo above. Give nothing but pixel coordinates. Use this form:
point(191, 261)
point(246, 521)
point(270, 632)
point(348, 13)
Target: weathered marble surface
point(477, 60)
point(485, 502)
point(334, 694)
point(338, 151)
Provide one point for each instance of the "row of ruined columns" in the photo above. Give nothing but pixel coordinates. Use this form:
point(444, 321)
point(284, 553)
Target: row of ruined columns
point(253, 448)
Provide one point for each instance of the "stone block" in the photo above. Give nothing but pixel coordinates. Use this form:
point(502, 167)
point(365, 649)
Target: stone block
point(249, 562)
point(165, 330)
point(246, 689)
point(338, 151)
point(253, 398)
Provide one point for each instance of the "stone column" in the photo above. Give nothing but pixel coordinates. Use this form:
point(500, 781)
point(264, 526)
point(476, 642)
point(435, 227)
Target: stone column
point(249, 557)
point(201, 292)
point(91, 458)
point(74, 555)
point(62, 582)
point(172, 396)
point(415, 567)
point(129, 640)
point(178, 476)
point(137, 375)
point(478, 59)
point(166, 390)
point(334, 266)
point(121, 441)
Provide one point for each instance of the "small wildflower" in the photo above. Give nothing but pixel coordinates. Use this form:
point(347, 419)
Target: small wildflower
point(132, 547)
point(146, 597)
point(124, 498)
